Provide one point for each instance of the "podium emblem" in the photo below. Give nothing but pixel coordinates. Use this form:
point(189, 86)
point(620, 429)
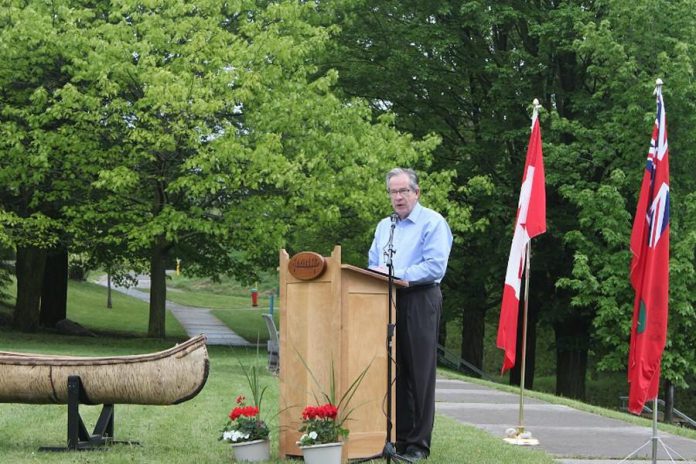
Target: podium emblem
point(306, 265)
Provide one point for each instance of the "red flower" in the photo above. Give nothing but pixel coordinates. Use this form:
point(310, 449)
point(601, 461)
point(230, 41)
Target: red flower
point(329, 411)
point(326, 411)
point(247, 411)
point(240, 399)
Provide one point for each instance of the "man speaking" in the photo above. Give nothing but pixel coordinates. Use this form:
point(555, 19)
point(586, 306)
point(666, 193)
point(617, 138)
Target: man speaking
point(421, 243)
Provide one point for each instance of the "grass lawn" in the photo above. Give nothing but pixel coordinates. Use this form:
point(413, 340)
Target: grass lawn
point(87, 306)
point(188, 432)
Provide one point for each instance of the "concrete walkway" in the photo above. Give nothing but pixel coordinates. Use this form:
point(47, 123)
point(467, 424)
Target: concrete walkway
point(194, 320)
point(572, 436)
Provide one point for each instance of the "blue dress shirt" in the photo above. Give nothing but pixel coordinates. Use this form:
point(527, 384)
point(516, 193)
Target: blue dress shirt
point(422, 244)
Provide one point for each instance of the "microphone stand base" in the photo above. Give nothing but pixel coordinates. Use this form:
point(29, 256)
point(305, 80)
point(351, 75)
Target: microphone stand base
point(389, 453)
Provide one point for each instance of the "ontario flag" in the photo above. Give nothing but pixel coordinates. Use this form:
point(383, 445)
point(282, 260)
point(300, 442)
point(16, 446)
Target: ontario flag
point(650, 269)
point(530, 222)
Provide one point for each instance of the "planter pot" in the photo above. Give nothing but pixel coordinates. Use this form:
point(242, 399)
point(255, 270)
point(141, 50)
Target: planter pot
point(251, 451)
point(328, 453)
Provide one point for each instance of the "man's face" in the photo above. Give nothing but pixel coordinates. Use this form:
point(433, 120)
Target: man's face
point(403, 197)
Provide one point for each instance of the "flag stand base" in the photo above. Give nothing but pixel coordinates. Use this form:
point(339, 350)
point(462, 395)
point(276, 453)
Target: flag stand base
point(520, 437)
point(522, 441)
point(654, 440)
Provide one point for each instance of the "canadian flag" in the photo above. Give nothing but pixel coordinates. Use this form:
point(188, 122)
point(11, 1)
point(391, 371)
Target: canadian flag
point(530, 222)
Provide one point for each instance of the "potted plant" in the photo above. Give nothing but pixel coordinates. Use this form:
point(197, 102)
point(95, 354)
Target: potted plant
point(323, 430)
point(321, 441)
point(245, 430)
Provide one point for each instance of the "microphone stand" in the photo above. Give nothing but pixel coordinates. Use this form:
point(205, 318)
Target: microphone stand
point(389, 451)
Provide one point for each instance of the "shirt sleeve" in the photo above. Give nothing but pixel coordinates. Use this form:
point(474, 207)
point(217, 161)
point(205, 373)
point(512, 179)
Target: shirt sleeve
point(374, 255)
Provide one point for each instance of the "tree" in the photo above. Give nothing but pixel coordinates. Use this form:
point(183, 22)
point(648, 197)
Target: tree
point(467, 71)
point(219, 137)
point(43, 160)
point(625, 64)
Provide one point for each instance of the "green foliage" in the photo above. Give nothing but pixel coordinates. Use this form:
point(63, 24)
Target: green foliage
point(184, 130)
point(468, 72)
point(221, 132)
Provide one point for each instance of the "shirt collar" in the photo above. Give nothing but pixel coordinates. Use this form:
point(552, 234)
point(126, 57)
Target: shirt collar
point(415, 213)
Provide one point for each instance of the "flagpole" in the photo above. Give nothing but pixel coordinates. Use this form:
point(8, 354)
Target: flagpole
point(523, 363)
point(654, 432)
point(655, 439)
point(519, 436)
point(644, 275)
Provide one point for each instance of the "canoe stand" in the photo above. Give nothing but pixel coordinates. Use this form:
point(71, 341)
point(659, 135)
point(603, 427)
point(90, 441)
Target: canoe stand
point(78, 437)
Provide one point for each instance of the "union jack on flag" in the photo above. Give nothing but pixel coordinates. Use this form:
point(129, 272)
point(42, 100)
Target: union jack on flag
point(650, 269)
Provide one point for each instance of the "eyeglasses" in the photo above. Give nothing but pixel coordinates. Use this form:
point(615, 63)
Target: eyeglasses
point(402, 192)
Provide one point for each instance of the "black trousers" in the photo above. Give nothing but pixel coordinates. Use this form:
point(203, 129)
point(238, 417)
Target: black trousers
point(418, 313)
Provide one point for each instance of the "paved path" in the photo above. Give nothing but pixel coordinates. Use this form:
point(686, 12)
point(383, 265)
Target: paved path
point(194, 320)
point(572, 436)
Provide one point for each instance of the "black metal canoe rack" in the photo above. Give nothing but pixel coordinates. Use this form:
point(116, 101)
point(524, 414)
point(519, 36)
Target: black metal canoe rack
point(78, 437)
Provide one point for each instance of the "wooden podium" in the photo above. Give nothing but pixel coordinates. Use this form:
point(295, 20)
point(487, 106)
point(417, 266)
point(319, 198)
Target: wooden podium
point(339, 317)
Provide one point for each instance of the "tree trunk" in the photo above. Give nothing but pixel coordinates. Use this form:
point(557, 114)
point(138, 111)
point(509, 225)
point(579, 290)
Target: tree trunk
point(158, 293)
point(29, 269)
point(669, 402)
point(572, 337)
point(109, 305)
point(54, 294)
point(473, 330)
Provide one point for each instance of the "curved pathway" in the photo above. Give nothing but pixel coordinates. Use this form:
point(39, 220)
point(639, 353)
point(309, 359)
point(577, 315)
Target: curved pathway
point(194, 320)
point(570, 435)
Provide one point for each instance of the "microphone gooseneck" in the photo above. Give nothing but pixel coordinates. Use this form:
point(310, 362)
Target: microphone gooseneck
point(389, 250)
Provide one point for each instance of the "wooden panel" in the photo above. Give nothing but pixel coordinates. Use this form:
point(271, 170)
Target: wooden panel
point(341, 319)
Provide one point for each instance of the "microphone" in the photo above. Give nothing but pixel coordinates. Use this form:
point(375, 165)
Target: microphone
point(389, 250)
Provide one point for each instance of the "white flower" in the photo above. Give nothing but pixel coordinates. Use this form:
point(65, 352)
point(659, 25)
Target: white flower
point(313, 435)
point(235, 436)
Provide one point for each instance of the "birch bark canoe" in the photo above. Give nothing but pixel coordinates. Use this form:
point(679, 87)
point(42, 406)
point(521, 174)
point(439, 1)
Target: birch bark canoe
point(166, 377)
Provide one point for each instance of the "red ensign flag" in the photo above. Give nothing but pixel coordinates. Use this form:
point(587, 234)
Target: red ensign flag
point(650, 269)
point(530, 222)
